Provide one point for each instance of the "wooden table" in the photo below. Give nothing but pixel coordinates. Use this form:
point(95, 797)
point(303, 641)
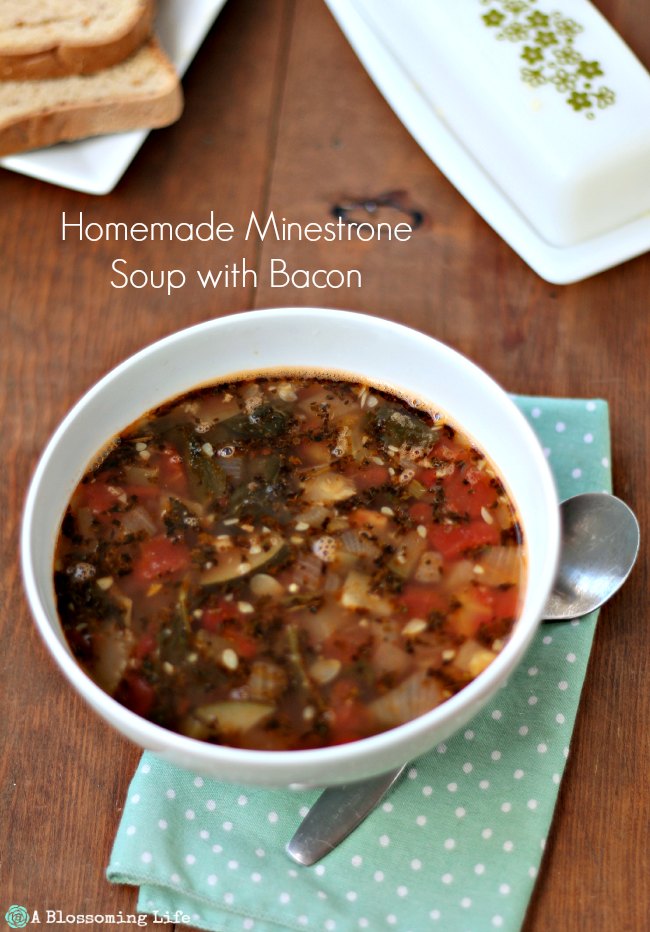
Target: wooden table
point(281, 115)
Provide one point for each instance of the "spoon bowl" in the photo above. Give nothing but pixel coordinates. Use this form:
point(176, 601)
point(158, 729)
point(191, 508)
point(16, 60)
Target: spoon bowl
point(599, 546)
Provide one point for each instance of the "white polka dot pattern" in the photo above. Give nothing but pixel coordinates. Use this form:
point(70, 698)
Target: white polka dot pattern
point(458, 843)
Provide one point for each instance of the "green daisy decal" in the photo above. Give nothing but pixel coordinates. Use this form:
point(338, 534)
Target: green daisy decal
point(605, 97)
point(532, 54)
point(533, 76)
point(493, 18)
point(546, 38)
point(590, 69)
point(515, 6)
point(549, 52)
point(579, 100)
point(567, 55)
point(515, 32)
point(564, 80)
point(567, 27)
point(537, 20)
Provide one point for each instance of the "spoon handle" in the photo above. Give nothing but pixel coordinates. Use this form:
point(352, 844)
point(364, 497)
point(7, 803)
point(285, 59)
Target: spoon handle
point(335, 814)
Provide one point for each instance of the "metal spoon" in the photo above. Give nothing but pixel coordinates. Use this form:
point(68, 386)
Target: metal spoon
point(599, 546)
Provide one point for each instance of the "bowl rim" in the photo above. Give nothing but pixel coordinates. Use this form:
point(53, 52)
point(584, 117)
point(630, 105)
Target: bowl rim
point(160, 738)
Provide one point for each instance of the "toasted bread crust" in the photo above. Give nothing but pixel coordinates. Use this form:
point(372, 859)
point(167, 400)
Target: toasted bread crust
point(68, 58)
point(124, 109)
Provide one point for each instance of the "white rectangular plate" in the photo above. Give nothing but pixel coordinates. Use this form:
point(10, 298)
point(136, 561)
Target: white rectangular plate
point(559, 265)
point(96, 165)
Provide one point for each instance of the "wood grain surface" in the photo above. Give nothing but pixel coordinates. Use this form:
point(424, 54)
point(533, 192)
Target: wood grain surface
point(281, 115)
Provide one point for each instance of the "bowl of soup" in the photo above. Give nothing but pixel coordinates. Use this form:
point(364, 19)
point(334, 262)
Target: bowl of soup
point(295, 546)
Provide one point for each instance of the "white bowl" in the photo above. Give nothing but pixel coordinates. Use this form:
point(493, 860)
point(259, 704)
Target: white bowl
point(352, 344)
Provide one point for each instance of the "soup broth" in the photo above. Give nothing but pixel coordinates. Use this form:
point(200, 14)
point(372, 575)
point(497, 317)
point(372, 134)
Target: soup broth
point(288, 563)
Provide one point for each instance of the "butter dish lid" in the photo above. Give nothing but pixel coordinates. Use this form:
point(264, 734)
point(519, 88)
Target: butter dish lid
point(539, 115)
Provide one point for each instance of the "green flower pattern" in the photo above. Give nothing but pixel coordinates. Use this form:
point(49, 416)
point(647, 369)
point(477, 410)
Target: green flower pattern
point(548, 53)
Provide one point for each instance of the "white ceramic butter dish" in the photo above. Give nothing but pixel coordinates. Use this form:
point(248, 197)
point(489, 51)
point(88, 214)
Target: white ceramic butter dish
point(538, 112)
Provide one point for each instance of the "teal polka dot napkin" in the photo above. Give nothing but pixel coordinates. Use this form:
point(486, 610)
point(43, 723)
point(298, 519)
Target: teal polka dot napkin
point(455, 846)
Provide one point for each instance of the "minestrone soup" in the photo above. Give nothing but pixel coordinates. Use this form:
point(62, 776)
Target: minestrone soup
point(288, 563)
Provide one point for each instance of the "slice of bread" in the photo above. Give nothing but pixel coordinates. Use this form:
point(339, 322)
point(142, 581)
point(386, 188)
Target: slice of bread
point(53, 38)
point(141, 92)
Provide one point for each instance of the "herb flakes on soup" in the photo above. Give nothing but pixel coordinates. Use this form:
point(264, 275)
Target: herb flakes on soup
point(288, 563)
